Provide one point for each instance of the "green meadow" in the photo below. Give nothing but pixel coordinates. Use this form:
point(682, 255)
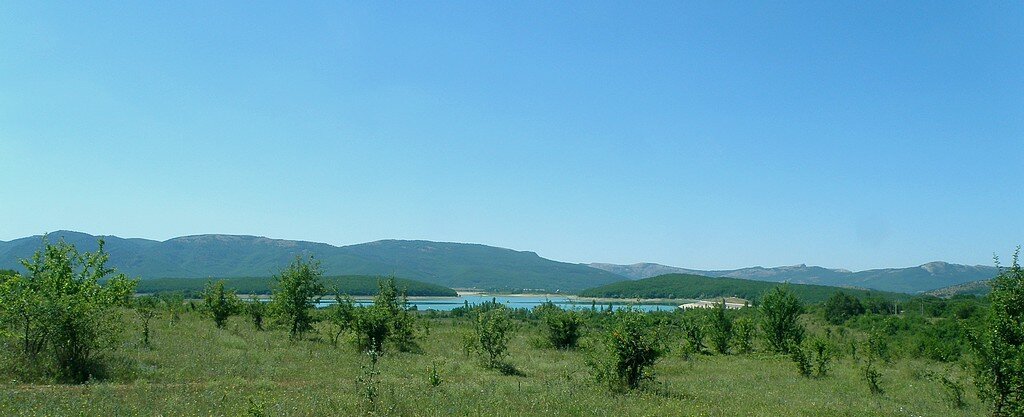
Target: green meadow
point(193, 368)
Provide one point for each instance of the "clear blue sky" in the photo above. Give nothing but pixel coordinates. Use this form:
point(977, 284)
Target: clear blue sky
point(703, 135)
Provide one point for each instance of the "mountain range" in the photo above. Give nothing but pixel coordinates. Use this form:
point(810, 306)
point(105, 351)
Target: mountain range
point(455, 265)
point(915, 279)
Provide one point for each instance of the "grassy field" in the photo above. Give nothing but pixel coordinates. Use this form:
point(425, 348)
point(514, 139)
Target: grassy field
point(196, 369)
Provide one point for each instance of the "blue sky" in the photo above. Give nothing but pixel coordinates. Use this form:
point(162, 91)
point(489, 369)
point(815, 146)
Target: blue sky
point(702, 135)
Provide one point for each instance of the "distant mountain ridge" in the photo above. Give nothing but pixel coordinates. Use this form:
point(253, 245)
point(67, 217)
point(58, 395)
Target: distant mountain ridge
point(930, 276)
point(454, 265)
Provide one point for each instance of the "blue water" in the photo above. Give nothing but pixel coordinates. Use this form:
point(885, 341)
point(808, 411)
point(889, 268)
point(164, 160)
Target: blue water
point(513, 301)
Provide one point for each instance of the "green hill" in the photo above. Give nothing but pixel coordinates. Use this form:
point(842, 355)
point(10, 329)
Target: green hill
point(350, 284)
point(912, 280)
point(454, 265)
point(701, 287)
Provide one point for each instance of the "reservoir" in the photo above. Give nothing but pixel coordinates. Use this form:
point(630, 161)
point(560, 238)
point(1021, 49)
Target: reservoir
point(510, 301)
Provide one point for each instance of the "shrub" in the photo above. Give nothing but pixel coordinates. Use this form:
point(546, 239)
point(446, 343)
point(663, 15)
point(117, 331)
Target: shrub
point(743, 335)
point(802, 359)
point(871, 373)
point(563, 327)
point(257, 311)
point(628, 350)
point(693, 332)
point(295, 292)
point(780, 310)
point(63, 315)
point(388, 320)
point(341, 316)
point(220, 303)
point(146, 309)
point(999, 350)
point(721, 329)
point(493, 330)
point(822, 357)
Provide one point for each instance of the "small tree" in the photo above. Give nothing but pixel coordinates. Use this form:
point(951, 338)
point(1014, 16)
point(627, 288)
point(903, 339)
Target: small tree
point(563, 326)
point(257, 311)
point(220, 303)
point(999, 364)
point(146, 309)
point(721, 329)
point(822, 357)
point(631, 347)
point(693, 331)
point(297, 289)
point(341, 316)
point(62, 311)
point(389, 319)
point(493, 330)
point(802, 359)
point(743, 335)
point(780, 310)
point(872, 350)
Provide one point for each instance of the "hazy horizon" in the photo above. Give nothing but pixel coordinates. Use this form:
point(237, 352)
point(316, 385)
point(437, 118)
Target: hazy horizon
point(705, 136)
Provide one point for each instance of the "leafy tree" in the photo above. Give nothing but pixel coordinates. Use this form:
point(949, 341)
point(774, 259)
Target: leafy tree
point(840, 307)
point(563, 326)
point(628, 351)
point(296, 291)
point(341, 316)
point(62, 312)
point(822, 356)
point(493, 330)
point(802, 359)
point(999, 367)
point(721, 329)
point(780, 310)
point(693, 331)
point(220, 303)
point(743, 335)
point(388, 320)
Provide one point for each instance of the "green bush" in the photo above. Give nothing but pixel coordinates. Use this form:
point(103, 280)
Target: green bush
point(341, 316)
point(388, 320)
point(743, 335)
point(780, 310)
point(220, 303)
point(62, 314)
point(999, 350)
point(802, 359)
point(720, 329)
point(296, 290)
point(563, 326)
point(628, 350)
point(693, 331)
point(257, 311)
point(493, 330)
